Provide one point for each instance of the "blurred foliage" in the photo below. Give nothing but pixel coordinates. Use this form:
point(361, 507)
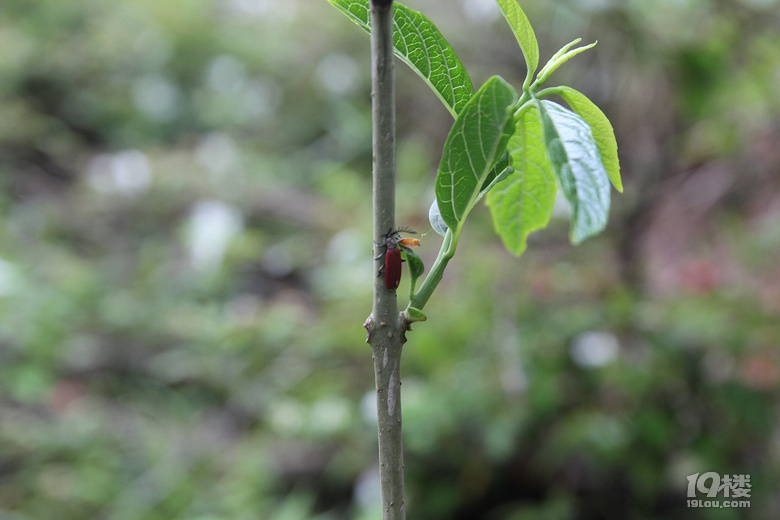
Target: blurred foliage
point(184, 268)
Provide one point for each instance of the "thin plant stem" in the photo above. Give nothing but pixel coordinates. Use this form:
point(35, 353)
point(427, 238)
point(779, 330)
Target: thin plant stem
point(385, 326)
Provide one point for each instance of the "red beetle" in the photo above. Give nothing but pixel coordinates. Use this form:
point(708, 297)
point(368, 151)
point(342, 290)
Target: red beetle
point(393, 244)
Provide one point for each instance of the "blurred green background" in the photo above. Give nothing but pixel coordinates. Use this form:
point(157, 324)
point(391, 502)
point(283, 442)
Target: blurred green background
point(185, 265)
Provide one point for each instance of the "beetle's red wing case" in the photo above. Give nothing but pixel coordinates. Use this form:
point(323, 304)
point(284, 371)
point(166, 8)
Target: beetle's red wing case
point(392, 268)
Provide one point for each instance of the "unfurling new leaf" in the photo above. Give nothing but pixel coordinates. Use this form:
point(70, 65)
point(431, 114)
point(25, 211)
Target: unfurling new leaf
point(559, 58)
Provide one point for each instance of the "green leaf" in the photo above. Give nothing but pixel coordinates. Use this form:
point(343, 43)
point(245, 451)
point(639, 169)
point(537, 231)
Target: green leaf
point(420, 45)
point(523, 202)
point(416, 266)
point(577, 163)
point(559, 58)
point(523, 32)
point(414, 314)
point(602, 131)
point(476, 141)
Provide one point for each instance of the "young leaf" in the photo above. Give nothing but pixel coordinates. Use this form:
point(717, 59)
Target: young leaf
point(414, 314)
point(577, 163)
point(559, 58)
point(523, 202)
point(418, 42)
point(476, 141)
point(523, 32)
point(602, 131)
point(416, 266)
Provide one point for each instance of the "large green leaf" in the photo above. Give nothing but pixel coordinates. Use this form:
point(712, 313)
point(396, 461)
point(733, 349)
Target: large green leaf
point(602, 131)
point(523, 202)
point(523, 31)
point(577, 163)
point(475, 143)
point(420, 45)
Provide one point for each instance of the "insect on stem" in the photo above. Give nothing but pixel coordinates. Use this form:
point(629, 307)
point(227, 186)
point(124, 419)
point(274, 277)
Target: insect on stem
point(393, 246)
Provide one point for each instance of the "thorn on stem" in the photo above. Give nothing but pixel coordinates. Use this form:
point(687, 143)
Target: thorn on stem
point(368, 325)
